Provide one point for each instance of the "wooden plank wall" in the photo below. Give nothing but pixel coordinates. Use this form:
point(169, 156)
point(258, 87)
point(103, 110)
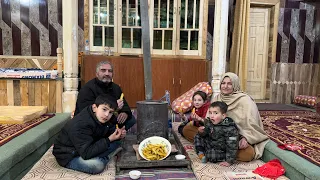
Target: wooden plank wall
point(289, 80)
point(28, 93)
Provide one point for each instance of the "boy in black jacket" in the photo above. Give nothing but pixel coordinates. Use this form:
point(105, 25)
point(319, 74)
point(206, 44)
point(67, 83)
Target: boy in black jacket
point(86, 141)
point(218, 139)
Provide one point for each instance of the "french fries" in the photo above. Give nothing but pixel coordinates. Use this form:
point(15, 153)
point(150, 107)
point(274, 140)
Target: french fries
point(194, 110)
point(117, 126)
point(121, 97)
point(154, 151)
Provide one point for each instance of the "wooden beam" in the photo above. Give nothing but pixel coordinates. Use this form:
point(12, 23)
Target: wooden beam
point(204, 29)
point(265, 2)
point(220, 33)
point(27, 57)
point(275, 32)
point(59, 82)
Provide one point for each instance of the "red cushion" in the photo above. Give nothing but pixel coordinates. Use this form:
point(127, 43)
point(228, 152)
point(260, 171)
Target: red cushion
point(184, 102)
point(307, 101)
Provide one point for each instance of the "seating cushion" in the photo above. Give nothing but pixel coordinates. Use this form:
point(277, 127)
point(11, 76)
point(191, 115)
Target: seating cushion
point(23, 151)
point(184, 102)
point(307, 101)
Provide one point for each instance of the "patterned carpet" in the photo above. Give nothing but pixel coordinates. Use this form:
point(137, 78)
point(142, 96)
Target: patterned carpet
point(48, 168)
point(10, 131)
point(295, 127)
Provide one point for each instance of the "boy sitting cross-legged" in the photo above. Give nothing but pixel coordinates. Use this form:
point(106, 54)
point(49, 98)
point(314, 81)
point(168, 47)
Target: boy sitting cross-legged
point(218, 139)
point(86, 141)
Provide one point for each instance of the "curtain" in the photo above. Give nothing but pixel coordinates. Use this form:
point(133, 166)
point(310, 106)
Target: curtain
point(240, 41)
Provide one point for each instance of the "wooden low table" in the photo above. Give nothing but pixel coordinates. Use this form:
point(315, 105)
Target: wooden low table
point(127, 159)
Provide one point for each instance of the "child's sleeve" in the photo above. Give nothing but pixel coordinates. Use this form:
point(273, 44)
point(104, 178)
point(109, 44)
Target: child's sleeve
point(82, 139)
point(232, 143)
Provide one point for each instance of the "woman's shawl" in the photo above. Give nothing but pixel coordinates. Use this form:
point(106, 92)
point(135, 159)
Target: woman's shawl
point(243, 110)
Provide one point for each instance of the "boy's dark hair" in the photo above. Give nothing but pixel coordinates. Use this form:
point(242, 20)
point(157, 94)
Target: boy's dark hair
point(222, 105)
point(107, 100)
point(200, 93)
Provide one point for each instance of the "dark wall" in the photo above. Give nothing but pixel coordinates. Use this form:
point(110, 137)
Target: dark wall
point(299, 32)
point(211, 8)
point(34, 27)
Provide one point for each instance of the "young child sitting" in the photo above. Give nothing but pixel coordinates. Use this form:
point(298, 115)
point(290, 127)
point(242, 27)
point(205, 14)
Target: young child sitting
point(196, 118)
point(86, 141)
point(218, 139)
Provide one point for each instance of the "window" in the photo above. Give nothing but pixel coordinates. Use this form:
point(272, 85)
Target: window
point(130, 32)
point(189, 33)
point(174, 26)
point(164, 21)
point(103, 25)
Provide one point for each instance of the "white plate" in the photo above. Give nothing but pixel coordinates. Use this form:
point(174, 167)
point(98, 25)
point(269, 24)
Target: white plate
point(155, 140)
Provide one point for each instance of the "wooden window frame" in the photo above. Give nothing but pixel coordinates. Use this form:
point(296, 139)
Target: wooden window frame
point(117, 49)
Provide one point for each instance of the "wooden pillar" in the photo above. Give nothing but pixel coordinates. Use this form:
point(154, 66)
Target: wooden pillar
point(220, 33)
point(70, 54)
point(59, 82)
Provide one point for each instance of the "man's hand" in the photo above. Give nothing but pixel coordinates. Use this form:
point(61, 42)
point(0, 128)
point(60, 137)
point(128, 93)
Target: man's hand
point(115, 135)
point(123, 132)
point(120, 103)
point(122, 117)
point(243, 143)
point(201, 129)
point(224, 164)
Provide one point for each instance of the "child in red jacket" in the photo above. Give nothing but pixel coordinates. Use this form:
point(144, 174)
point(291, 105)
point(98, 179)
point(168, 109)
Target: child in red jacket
point(189, 127)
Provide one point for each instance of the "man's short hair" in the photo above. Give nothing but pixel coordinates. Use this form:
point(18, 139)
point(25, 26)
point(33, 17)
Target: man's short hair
point(221, 105)
point(107, 100)
point(102, 63)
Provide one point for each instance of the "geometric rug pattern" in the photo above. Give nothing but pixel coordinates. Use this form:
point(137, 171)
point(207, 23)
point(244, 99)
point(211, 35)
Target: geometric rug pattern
point(301, 128)
point(213, 171)
point(48, 168)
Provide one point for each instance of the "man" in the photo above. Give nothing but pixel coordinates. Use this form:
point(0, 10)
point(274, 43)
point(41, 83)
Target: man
point(103, 84)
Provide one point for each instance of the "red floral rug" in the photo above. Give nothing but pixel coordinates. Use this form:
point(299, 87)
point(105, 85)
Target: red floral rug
point(295, 127)
point(9, 131)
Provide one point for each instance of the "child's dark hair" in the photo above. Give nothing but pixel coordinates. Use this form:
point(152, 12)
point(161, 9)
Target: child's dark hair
point(107, 100)
point(222, 105)
point(200, 93)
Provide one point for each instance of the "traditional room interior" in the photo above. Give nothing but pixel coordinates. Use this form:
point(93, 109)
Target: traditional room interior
point(50, 48)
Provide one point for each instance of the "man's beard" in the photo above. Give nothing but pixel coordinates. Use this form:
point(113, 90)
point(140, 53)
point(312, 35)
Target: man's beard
point(106, 79)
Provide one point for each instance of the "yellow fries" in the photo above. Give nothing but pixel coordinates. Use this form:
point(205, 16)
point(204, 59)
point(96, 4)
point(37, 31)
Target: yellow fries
point(194, 110)
point(154, 151)
point(117, 126)
point(121, 97)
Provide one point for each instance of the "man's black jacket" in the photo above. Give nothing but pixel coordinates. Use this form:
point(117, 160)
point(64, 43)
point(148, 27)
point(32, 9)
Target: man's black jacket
point(93, 88)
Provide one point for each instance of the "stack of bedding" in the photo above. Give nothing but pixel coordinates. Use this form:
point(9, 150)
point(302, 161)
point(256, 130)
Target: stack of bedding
point(28, 73)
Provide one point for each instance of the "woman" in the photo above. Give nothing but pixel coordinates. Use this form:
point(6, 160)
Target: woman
point(243, 110)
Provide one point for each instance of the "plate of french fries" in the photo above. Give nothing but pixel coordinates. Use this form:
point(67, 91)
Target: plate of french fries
point(154, 148)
